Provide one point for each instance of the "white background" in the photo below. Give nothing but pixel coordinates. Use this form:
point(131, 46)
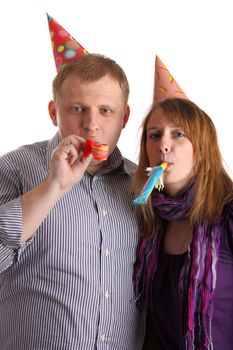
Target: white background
point(192, 37)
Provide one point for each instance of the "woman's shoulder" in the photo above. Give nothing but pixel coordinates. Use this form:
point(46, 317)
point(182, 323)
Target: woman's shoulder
point(228, 211)
point(227, 223)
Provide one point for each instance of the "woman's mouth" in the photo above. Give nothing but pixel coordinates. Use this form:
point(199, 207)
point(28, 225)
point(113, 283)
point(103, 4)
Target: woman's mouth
point(169, 166)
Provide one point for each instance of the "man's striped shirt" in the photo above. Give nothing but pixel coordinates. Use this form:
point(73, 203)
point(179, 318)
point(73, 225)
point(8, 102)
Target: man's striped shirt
point(70, 287)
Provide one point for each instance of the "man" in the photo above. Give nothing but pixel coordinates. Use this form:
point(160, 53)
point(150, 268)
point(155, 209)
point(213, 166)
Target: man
point(68, 229)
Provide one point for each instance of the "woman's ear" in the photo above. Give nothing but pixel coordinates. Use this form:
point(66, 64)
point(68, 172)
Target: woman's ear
point(53, 112)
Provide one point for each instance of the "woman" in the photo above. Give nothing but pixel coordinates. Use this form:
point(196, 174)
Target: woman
point(184, 272)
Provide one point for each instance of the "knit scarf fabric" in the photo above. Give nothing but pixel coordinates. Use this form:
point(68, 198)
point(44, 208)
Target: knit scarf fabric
point(198, 275)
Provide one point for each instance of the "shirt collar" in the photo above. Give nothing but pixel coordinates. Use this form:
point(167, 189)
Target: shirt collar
point(117, 163)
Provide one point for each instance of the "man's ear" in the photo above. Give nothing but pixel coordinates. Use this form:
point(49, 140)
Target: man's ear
point(126, 117)
point(53, 112)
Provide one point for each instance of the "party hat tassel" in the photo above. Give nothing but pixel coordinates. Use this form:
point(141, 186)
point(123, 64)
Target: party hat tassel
point(155, 181)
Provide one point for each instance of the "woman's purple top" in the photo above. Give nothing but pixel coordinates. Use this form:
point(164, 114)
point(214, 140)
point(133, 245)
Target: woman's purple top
point(170, 308)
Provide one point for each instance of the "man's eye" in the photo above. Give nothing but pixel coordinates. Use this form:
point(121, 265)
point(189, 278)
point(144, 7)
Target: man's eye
point(77, 109)
point(106, 110)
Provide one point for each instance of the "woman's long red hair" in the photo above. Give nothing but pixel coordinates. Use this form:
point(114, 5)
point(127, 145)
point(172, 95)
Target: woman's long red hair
point(213, 186)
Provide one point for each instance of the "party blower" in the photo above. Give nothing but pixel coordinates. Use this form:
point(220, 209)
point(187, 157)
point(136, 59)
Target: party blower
point(155, 181)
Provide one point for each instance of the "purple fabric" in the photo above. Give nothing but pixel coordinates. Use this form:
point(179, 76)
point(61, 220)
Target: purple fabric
point(170, 208)
point(222, 325)
point(168, 315)
point(200, 269)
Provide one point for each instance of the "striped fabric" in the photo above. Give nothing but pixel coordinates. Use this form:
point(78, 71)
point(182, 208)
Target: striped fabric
point(70, 287)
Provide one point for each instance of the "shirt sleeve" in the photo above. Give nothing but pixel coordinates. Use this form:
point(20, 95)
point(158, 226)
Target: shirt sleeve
point(11, 223)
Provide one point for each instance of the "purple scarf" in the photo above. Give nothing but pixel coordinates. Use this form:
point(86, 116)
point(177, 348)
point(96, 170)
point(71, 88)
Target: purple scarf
point(198, 274)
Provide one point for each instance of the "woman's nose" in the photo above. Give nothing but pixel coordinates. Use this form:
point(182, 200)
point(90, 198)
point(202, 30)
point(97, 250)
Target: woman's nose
point(165, 145)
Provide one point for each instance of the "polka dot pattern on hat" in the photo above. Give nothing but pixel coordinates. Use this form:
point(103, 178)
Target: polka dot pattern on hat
point(65, 48)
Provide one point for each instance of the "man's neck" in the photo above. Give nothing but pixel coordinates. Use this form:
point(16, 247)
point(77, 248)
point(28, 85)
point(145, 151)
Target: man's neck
point(96, 167)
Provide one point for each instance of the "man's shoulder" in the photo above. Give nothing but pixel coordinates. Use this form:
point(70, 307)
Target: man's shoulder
point(33, 146)
point(27, 151)
point(129, 166)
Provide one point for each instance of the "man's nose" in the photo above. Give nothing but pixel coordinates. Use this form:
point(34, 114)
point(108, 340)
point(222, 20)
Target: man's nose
point(90, 120)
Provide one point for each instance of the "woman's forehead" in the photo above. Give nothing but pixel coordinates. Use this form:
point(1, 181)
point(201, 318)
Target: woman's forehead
point(159, 117)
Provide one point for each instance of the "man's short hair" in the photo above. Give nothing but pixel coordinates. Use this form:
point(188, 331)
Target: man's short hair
point(90, 68)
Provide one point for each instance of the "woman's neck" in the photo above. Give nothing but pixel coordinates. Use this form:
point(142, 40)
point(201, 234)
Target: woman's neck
point(178, 236)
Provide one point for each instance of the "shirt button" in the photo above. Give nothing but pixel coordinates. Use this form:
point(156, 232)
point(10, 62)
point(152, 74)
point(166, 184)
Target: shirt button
point(107, 295)
point(103, 338)
point(104, 212)
point(107, 252)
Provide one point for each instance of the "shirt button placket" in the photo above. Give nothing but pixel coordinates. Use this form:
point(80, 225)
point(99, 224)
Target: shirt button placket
point(103, 338)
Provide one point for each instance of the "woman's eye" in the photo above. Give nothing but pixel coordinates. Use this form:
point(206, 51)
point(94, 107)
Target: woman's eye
point(154, 135)
point(180, 134)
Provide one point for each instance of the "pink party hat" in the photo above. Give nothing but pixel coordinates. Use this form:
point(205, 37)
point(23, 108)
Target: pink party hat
point(165, 85)
point(65, 48)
